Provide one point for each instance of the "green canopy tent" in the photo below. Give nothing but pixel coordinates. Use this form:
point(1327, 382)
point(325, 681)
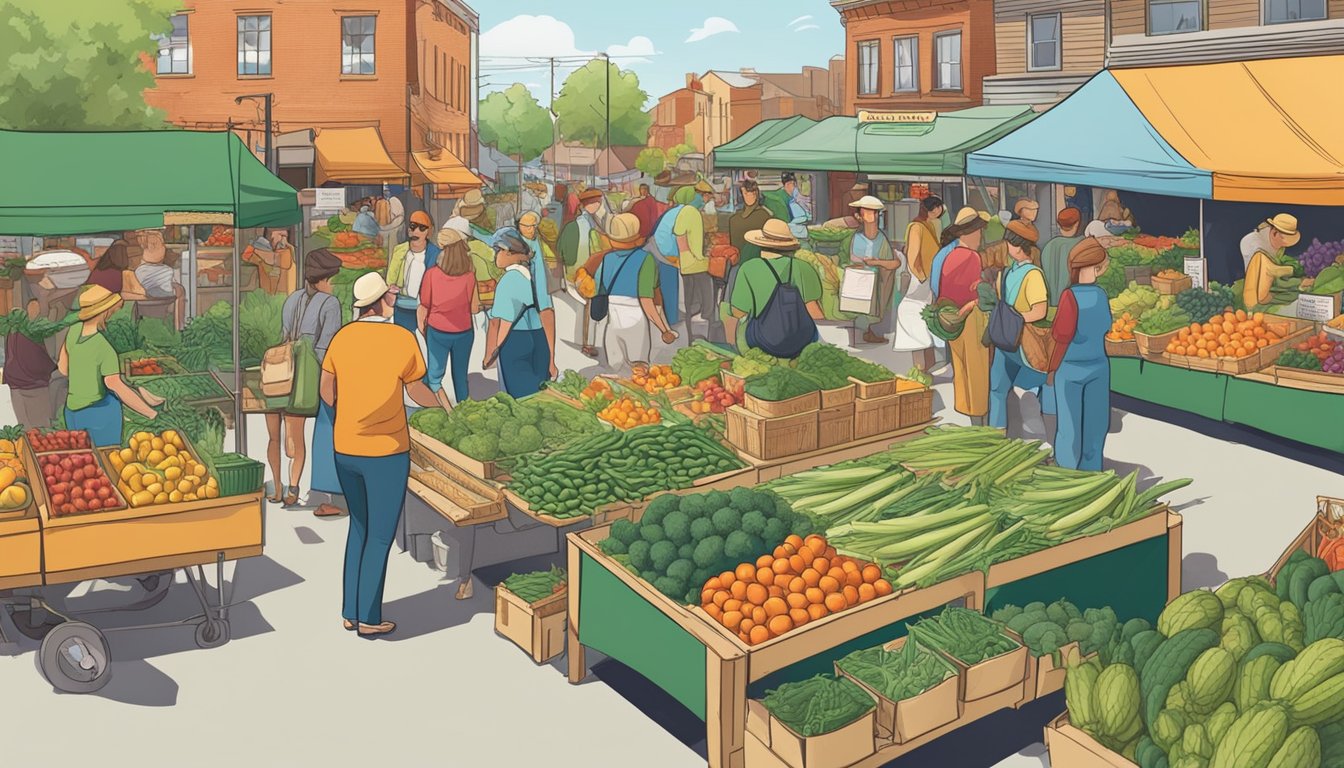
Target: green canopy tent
point(70, 183)
point(745, 150)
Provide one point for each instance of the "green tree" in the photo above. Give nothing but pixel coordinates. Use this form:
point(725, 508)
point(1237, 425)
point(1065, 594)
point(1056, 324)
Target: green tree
point(514, 123)
point(80, 64)
point(581, 107)
point(651, 161)
point(674, 154)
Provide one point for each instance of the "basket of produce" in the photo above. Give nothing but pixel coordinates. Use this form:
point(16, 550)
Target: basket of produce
point(915, 688)
point(829, 241)
point(1169, 282)
point(237, 474)
point(531, 610)
point(138, 366)
point(652, 379)
point(190, 388)
point(74, 482)
point(626, 413)
point(771, 437)
point(1120, 341)
point(944, 319)
point(821, 721)
point(160, 469)
point(1138, 299)
point(709, 397)
point(989, 657)
point(1156, 329)
point(782, 392)
point(1235, 343)
point(916, 402)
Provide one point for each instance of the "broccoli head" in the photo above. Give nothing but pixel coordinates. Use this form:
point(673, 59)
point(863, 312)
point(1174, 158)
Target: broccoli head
point(686, 551)
point(552, 430)
point(694, 507)
point(652, 532)
point(715, 500)
point(737, 547)
point(481, 446)
point(1022, 620)
point(779, 506)
point(1044, 637)
point(1134, 627)
point(1078, 631)
point(709, 552)
point(659, 507)
point(673, 588)
point(638, 552)
point(613, 546)
point(776, 531)
point(1007, 613)
point(626, 531)
point(753, 522)
point(744, 499)
point(726, 520)
point(677, 527)
point(682, 570)
point(1058, 613)
point(524, 439)
point(662, 554)
point(804, 525)
point(701, 527)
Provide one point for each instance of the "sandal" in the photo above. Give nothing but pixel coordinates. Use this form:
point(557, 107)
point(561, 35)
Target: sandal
point(292, 496)
point(372, 631)
point(348, 624)
point(464, 590)
point(328, 510)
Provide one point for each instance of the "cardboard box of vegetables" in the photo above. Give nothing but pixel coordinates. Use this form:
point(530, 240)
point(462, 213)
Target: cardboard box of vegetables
point(531, 609)
point(915, 688)
point(821, 722)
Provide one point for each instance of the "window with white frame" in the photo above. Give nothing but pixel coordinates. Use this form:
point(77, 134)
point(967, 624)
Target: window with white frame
point(254, 45)
point(357, 45)
point(947, 50)
point(867, 70)
point(906, 58)
point(175, 48)
point(1281, 11)
point(1043, 46)
point(1167, 17)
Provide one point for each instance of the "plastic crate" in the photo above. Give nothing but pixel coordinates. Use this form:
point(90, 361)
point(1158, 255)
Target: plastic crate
point(237, 474)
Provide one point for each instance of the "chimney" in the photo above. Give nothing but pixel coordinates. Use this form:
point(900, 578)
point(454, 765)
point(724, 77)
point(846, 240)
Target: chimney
point(691, 79)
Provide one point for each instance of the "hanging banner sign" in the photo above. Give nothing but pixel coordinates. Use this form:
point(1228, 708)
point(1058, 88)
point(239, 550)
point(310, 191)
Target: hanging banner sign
point(918, 118)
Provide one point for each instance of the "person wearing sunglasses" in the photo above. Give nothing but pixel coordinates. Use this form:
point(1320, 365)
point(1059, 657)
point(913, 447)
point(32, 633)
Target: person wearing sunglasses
point(407, 266)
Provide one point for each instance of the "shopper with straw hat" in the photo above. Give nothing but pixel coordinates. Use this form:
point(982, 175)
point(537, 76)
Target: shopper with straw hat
point(956, 276)
point(870, 248)
point(778, 294)
point(97, 389)
point(628, 278)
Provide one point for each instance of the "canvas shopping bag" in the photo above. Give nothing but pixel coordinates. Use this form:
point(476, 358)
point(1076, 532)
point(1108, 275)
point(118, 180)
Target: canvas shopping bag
point(858, 291)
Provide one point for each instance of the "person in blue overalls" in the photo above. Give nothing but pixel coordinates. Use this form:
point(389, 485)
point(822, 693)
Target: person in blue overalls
point(1022, 286)
point(1080, 372)
point(515, 335)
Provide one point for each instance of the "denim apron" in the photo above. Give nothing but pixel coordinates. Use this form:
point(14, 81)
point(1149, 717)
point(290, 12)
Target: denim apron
point(102, 420)
point(1083, 384)
point(524, 357)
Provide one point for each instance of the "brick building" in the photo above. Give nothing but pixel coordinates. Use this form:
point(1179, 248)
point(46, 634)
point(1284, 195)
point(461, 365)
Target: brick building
point(403, 67)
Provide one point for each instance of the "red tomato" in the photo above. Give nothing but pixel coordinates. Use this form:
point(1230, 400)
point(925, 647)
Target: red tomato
point(57, 499)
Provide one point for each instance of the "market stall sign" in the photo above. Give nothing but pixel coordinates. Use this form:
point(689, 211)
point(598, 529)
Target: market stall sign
point(1195, 269)
point(1320, 309)
point(918, 118)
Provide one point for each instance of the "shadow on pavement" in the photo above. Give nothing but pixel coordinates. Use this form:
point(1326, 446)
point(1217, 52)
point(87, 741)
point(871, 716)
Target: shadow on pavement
point(307, 535)
point(140, 684)
point(1200, 570)
point(434, 610)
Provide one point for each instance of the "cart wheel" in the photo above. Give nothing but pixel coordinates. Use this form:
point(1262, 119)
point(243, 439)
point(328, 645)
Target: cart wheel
point(74, 658)
point(212, 634)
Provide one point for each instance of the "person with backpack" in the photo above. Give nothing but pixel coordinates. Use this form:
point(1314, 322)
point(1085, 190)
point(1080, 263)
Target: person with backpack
point(515, 336)
point(778, 295)
point(1024, 297)
point(627, 280)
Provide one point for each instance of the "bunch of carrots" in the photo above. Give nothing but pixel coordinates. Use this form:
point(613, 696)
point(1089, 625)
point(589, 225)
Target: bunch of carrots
point(804, 580)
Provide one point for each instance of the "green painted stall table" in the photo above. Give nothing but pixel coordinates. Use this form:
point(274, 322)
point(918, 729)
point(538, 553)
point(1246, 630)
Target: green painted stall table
point(712, 672)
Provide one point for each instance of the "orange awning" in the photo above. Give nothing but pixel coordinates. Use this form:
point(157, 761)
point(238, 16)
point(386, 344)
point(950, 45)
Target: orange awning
point(355, 156)
point(445, 171)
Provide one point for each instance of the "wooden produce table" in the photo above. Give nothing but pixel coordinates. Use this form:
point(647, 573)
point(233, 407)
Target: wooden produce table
point(21, 549)
point(1135, 569)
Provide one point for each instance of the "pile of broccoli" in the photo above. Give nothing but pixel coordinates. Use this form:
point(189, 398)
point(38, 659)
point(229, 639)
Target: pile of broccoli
point(682, 541)
point(1045, 629)
point(501, 427)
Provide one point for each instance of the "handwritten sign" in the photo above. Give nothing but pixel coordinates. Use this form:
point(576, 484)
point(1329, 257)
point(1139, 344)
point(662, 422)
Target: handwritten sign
point(1320, 309)
point(1195, 269)
point(329, 199)
point(870, 116)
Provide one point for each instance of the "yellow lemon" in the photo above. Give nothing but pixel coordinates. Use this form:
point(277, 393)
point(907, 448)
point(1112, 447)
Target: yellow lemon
point(155, 456)
point(184, 486)
point(160, 498)
point(154, 488)
point(173, 473)
point(170, 450)
point(156, 443)
point(198, 470)
point(174, 496)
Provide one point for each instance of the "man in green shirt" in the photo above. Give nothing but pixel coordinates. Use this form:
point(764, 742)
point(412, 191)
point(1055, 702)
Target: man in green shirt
point(752, 215)
point(1055, 254)
point(758, 279)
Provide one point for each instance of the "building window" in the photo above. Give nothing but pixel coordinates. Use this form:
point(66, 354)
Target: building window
point(1043, 41)
point(868, 68)
point(254, 45)
point(906, 50)
point(947, 46)
point(357, 45)
point(175, 49)
point(1166, 17)
point(1280, 11)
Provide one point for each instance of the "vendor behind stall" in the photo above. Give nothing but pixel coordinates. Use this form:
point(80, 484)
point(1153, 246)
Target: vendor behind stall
point(1261, 250)
point(97, 389)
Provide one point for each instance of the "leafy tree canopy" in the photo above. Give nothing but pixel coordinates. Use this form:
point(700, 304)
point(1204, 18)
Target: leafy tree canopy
point(651, 161)
point(581, 106)
point(514, 123)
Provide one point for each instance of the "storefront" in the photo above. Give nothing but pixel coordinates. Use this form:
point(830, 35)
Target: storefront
point(442, 179)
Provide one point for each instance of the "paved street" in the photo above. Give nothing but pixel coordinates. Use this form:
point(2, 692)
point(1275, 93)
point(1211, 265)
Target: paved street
point(292, 688)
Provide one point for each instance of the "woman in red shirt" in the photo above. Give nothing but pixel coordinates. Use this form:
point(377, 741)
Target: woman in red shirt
point(448, 299)
point(958, 278)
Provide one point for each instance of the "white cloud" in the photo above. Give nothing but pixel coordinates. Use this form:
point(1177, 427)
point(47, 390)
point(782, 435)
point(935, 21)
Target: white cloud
point(800, 20)
point(805, 27)
point(530, 36)
point(637, 51)
point(714, 25)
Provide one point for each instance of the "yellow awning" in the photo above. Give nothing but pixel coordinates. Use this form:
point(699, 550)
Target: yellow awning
point(1266, 130)
point(355, 156)
point(447, 170)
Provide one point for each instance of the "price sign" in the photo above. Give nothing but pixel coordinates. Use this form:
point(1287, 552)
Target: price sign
point(1320, 309)
point(1194, 269)
point(329, 199)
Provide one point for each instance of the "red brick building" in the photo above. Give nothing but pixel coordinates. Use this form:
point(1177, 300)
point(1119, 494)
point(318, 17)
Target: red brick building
point(403, 67)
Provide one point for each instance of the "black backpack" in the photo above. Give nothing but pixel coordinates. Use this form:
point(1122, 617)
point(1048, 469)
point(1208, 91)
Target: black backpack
point(783, 327)
point(599, 304)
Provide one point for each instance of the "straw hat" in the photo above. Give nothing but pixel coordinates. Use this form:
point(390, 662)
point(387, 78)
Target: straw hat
point(1286, 225)
point(968, 214)
point(95, 300)
point(369, 288)
point(774, 235)
point(471, 205)
point(704, 187)
point(623, 231)
point(868, 203)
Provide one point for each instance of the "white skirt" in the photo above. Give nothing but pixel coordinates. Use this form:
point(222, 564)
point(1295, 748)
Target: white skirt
point(912, 333)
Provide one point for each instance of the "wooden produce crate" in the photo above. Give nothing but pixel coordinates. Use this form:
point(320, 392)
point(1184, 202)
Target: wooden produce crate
point(1258, 360)
point(733, 383)
point(794, 406)
point(1154, 347)
point(1071, 747)
point(835, 425)
point(831, 398)
point(664, 640)
point(441, 453)
point(874, 416)
point(916, 406)
point(1043, 676)
point(1170, 286)
point(1143, 275)
point(457, 504)
point(632, 510)
point(908, 719)
point(538, 628)
point(873, 390)
point(1316, 380)
point(1126, 348)
point(768, 438)
point(169, 364)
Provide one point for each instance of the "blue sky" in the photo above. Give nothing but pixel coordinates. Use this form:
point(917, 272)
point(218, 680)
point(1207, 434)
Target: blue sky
point(661, 40)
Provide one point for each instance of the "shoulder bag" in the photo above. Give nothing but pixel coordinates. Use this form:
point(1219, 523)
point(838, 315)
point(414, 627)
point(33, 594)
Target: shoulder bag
point(1005, 322)
point(277, 364)
point(599, 304)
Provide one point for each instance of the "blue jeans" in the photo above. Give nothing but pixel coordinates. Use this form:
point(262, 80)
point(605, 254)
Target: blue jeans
point(405, 317)
point(1007, 371)
point(1083, 397)
point(440, 347)
point(102, 420)
point(524, 362)
point(375, 491)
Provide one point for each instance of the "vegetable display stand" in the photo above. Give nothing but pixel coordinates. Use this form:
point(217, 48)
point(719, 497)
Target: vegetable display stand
point(485, 470)
point(1125, 348)
point(794, 406)
point(772, 469)
point(908, 719)
point(1261, 358)
point(1170, 286)
point(835, 425)
point(992, 677)
point(1154, 347)
point(1318, 381)
point(1070, 747)
point(870, 390)
point(766, 437)
point(456, 504)
point(21, 550)
point(876, 416)
point(694, 658)
point(832, 398)
point(167, 363)
point(631, 510)
point(1329, 515)
point(916, 406)
point(538, 628)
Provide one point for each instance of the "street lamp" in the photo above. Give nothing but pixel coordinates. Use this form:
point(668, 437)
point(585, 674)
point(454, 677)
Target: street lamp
point(266, 99)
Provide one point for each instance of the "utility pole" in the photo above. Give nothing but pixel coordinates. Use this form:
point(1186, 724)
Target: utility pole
point(606, 136)
point(266, 99)
point(551, 107)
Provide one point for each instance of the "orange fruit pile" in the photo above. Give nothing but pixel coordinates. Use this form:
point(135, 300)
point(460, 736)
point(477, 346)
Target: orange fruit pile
point(625, 413)
point(803, 581)
point(597, 388)
point(656, 378)
point(1170, 274)
point(1123, 328)
point(1231, 335)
